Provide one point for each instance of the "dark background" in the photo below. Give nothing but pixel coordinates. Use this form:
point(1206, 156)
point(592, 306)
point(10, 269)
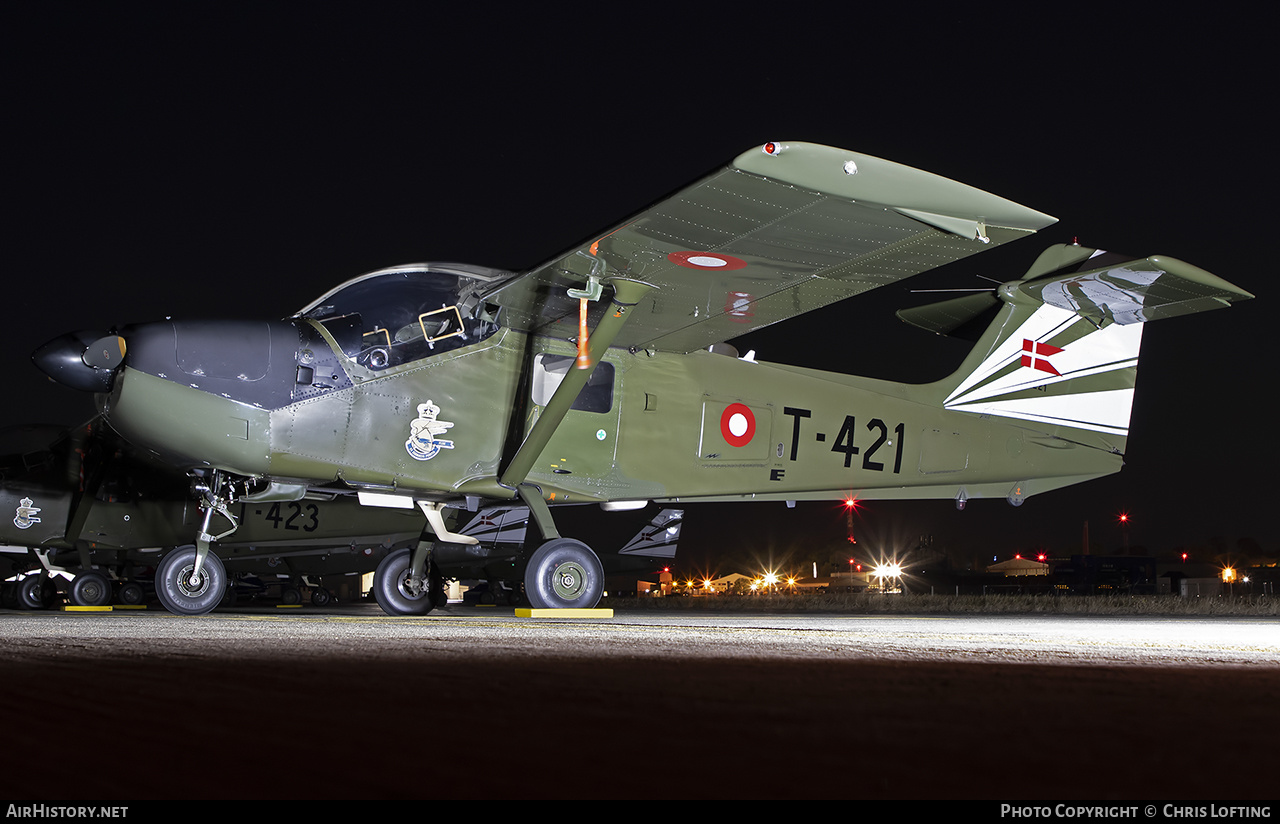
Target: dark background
point(239, 159)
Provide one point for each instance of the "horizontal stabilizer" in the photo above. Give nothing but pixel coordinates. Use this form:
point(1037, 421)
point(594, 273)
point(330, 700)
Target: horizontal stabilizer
point(1099, 286)
point(955, 317)
point(499, 525)
point(658, 538)
point(1135, 291)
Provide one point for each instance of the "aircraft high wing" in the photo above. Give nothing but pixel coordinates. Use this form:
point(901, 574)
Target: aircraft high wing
point(782, 230)
point(451, 389)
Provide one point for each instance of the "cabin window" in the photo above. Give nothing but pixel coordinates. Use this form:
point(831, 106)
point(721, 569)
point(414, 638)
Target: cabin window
point(550, 370)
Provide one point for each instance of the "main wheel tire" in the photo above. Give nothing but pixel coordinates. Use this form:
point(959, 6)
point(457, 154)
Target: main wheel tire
point(90, 589)
point(390, 590)
point(562, 574)
point(131, 594)
point(32, 593)
point(179, 594)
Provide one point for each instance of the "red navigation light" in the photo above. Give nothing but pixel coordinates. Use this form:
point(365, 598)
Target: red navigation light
point(772, 149)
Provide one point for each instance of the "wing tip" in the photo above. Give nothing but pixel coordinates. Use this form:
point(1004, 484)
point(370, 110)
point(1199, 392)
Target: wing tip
point(869, 179)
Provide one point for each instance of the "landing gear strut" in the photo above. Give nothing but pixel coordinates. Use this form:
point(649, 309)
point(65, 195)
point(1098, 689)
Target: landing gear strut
point(191, 580)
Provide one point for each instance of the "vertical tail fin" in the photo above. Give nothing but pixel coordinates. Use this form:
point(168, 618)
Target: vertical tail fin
point(1063, 348)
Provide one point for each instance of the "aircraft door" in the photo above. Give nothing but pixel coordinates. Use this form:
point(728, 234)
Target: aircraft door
point(585, 445)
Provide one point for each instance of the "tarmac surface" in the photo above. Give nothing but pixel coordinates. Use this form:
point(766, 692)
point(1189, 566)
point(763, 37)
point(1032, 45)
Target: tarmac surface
point(474, 703)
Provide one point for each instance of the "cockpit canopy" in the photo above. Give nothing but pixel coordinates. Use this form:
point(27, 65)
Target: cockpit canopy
point(397, 315)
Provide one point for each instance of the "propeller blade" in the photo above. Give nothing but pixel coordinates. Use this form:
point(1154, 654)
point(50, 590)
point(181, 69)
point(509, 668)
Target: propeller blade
point(105, 353)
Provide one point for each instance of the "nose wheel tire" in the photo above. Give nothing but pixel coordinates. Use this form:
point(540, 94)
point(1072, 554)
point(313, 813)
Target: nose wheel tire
point(179, 592)
point(562, 574)
point(392, 590)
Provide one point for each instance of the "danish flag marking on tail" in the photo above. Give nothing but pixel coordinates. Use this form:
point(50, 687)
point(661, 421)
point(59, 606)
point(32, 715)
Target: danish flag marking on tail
point(998, 386)
point(1044, 350)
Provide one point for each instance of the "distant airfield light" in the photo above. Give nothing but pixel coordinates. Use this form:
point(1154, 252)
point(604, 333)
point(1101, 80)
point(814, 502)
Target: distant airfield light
point(888, 569)
point(1228, 575)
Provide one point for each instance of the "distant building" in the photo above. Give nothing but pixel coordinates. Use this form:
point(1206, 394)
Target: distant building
point(1019, 567)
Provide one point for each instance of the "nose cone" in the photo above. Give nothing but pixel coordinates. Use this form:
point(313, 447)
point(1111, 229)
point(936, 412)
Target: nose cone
point(84, 360)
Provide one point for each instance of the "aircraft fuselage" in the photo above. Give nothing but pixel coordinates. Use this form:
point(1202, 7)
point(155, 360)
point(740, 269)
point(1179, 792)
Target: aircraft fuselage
point(652, 426)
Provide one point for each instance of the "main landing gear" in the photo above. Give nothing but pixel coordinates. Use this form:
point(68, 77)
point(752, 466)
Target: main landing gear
point(90, 589)
point(561, 574)
point(564, 573)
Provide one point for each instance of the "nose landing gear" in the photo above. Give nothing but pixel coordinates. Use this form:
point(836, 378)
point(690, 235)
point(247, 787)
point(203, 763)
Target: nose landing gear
point(191, 580)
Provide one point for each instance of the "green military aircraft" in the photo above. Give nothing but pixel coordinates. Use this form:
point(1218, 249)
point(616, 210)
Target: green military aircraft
point(602, 376)
point(92, 517)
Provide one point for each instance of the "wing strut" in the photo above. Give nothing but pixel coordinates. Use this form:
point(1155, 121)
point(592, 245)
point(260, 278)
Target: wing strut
point(592, 292)
point(626, 294)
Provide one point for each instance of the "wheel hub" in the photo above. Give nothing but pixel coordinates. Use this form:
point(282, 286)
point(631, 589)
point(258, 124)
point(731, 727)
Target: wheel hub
point(191, 585)
point(410, 588)
point(568, 580)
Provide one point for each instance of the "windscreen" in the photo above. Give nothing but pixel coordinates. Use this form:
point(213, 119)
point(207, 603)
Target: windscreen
point(398, 317)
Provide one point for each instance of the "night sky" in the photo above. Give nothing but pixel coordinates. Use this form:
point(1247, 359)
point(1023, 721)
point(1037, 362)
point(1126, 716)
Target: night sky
point(239, 159)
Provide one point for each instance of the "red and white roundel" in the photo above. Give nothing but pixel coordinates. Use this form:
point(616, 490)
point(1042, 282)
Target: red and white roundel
point(737, 305)
point(706, 260)
point(737, 424)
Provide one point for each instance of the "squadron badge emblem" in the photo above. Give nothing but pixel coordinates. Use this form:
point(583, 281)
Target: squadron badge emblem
point(26, 515)
point(423, 445)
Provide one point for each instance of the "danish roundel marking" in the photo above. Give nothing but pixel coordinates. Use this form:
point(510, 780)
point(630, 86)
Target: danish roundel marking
point(706, 260)
point(737, 424)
